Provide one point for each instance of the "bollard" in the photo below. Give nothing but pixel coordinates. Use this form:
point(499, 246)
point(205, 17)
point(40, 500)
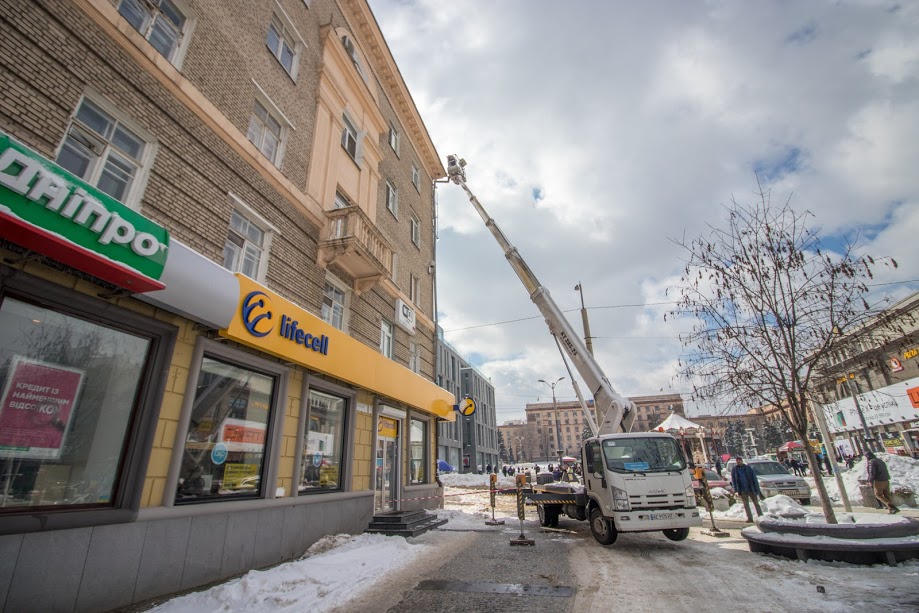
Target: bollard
point(522, 539)
point(493, 485)
point(709, 505)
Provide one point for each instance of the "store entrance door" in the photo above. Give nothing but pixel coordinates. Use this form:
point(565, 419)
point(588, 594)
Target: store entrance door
point(387, 465)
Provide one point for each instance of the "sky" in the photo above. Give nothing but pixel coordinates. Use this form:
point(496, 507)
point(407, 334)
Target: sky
point(365, 572)
point(598, 133)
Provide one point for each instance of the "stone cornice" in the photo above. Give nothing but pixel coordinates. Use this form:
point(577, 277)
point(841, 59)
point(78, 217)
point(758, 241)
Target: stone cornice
point(361, 21)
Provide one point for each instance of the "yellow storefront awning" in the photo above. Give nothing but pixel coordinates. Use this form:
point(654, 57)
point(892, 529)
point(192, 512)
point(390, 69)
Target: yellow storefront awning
point(275, 325)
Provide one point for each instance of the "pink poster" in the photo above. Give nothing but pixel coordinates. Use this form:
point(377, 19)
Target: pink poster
point(36, 408)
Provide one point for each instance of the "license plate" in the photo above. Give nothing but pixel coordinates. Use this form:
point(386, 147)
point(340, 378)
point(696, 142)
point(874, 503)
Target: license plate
point(663, 515)
point(789, 492)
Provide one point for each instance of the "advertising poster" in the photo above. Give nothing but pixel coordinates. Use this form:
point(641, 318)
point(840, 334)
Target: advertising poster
point(36, 408)
point(897, 403)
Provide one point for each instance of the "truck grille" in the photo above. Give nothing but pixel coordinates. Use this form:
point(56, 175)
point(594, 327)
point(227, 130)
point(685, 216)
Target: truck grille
point(649, 502)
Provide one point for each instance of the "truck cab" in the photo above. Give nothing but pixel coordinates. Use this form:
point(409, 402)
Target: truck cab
point(638, 482)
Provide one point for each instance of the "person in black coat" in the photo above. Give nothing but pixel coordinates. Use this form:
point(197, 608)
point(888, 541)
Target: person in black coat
point(746, 485)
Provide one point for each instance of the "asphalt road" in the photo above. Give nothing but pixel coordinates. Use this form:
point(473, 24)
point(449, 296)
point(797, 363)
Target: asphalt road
point(473, 569)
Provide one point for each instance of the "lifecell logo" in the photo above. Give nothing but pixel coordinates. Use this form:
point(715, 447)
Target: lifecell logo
point(913, 394)
point(256, 307)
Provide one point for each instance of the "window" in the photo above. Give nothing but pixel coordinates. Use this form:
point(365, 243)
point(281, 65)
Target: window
point(393, 138)
point(100, 149)
point(414, 289)
point(334, 304)
point(416, 178)
point(349, 138)
point(414, 357)
point(70, 392)
point(229, 416)
point(265, 133)
point(246, 247)
point(386, 338)
point(322, 459)
point(348, 44)
point(418, 445)
point(392, 199)
point(416, 231)
point(161, 22)
point(284, 41)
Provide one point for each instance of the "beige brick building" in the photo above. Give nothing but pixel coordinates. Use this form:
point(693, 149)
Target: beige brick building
point(217, 225)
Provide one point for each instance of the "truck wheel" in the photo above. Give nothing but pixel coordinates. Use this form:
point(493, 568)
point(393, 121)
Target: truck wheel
point(676, 534)
point(543, 516)
point(603, 529)
point(552, 514)
point(805, 501)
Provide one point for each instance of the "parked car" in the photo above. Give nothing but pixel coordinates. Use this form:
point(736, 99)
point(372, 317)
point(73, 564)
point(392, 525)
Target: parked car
point(713, 481)
point(774, 479)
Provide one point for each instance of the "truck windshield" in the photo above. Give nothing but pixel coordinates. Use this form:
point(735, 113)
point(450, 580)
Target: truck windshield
point(642, 455)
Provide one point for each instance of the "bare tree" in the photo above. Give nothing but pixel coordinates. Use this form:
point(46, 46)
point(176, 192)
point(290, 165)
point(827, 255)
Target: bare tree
point(768, 301)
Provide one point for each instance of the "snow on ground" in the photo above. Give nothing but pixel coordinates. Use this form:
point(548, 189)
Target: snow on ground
point(776, 506)
point(340, 569)
point(904, 472)
point(332, 572)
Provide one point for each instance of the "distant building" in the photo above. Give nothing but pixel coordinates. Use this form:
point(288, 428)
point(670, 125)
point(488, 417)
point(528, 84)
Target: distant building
point(470, 441)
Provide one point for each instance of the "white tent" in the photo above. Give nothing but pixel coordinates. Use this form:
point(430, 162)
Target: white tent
point(674, 422)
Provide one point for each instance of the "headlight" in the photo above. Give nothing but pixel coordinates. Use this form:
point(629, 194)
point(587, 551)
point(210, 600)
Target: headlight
point(620, 499)
point(690, 494)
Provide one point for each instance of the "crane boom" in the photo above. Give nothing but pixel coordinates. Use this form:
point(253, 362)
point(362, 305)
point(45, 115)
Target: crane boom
point(613, 410)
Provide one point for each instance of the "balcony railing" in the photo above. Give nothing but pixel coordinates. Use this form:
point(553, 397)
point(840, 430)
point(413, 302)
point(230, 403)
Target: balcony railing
point(351, 240)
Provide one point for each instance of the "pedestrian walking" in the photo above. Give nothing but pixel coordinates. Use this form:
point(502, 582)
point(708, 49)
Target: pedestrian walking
point(796, 466)
point(879, 478)
point(718, 466)
point(829, 465)
point(746, 485)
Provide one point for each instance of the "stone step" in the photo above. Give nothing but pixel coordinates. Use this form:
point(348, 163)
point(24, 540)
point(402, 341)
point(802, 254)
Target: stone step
point(399, 517)
point(407, 530)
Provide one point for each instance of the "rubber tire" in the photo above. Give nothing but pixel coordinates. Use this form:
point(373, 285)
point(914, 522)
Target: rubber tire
point(543, 515)
point(805, 502)
point(676, 534)
point(552, 514)
point(603, 530)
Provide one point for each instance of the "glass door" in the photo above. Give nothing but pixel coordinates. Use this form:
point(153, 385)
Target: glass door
point(387, 466)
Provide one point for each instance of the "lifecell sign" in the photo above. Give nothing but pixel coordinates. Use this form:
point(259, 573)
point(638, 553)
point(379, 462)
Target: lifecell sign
point(270, 323)
point(48, 210)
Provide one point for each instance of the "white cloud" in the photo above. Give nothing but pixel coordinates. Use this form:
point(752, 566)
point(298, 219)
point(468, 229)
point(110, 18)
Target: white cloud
point(635, 122)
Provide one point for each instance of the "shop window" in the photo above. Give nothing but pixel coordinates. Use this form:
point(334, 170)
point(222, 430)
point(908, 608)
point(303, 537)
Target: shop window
point(164, 23)
point(105, 152)
point(322, 460)
point(226, 441)
point(418, 446)
point(75, 404)
point(334, 304)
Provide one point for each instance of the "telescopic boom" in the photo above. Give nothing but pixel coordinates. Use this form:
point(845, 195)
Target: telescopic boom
point(612, 409)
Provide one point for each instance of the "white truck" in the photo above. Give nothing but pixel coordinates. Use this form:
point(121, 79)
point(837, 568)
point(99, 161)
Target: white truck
point(632, 482)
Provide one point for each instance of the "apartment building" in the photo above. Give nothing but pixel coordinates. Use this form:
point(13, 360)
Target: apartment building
point(471, 441)
point(216, 292)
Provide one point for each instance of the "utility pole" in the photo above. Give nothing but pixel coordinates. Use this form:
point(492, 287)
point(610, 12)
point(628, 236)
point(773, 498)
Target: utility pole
point(869, 442)
point(820, 418)
point(587, 338)
point(558, 427)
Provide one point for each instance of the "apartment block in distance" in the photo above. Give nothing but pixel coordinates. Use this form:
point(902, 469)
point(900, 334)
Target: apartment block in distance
point(216, 292)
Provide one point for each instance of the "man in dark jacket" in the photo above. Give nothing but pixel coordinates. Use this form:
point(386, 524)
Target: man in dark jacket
point(879, 478)
point(746, 485)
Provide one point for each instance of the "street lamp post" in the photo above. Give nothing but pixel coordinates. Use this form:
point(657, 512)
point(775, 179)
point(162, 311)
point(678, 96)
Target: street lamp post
point(558, 427)
point(869, 441)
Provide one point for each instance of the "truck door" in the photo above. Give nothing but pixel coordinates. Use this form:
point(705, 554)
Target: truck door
point(594, 469)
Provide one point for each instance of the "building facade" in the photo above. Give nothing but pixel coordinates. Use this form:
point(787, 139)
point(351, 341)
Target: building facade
point(471, 442)
point(871, 384)
point(216, 292)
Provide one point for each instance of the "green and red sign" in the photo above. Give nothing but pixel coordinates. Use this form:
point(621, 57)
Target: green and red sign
point(48, 210)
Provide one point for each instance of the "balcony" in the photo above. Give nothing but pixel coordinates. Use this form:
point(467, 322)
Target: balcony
point(351, 240)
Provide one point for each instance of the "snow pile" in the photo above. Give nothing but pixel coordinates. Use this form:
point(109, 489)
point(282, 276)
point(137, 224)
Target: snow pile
point(332, 572)
point(776, 506)
point(904, 473)
point(719, 492)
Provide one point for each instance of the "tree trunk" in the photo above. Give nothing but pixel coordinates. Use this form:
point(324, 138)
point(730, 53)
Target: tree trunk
point(825, 501)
